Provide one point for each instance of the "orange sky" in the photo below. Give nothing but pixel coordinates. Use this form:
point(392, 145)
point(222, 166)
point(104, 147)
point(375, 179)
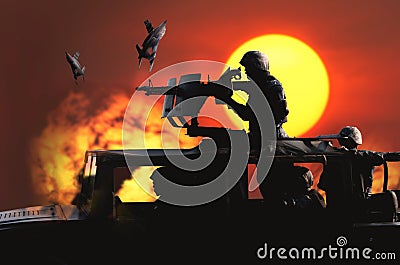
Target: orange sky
point(357, 40)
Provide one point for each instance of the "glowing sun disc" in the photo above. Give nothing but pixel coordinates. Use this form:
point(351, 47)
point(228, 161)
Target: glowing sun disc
point(302, 74)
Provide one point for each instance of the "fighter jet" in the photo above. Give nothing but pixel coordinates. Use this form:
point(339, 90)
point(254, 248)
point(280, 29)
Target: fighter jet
point(77, 70)
point(152, 40)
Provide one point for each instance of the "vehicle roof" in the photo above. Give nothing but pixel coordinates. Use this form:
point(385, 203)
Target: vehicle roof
point(297, 149)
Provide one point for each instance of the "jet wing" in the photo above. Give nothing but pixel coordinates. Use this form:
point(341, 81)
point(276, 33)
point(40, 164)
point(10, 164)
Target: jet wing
point(151, 61)
point(155, 46)
point(149, 26)
point(160, 32)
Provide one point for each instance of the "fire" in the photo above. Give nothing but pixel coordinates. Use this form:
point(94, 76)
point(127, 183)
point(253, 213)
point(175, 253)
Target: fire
point(394, 180)
point(139, 188)
point(79, 124)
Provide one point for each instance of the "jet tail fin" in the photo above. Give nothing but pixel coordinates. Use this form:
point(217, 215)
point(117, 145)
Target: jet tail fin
point(140, 62)
point(140, 52)
point(151, 64)
point(83, 72)
point(149, 26)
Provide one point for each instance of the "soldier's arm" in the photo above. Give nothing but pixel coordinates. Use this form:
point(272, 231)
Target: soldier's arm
point(225, 94)
point(372, 157)
point(280, 103)
point(243, 111)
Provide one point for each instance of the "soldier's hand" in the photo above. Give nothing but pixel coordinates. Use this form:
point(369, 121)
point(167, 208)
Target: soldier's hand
point(379, 159)
point(223, 93)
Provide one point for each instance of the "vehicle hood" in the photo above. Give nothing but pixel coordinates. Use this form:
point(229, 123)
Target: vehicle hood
point(53, 212)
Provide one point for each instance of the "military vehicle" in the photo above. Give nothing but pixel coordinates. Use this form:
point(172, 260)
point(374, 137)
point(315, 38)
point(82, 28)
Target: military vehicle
point(98, 226)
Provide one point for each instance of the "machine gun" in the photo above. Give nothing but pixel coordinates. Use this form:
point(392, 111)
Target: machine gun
point(191, 87)
point(225, 80)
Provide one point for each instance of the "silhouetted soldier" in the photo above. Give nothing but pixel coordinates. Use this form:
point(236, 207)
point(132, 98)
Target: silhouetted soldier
point(257, 69)
point(273, 188)
point(332, 179)
point(350, 138)
point(289, 186)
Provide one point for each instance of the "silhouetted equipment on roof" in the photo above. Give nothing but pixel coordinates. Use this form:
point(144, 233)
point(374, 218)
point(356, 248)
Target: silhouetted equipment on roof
point(191, 87)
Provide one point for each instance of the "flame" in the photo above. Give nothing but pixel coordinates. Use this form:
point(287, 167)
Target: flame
point(140, 189)
point(77, 125)
point(393, 181)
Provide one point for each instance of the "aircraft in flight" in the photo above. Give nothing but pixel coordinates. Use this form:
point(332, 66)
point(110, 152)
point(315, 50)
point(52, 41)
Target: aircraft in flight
point(151, 42)
point(76, 67)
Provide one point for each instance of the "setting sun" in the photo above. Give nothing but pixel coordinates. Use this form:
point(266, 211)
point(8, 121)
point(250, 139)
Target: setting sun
point(302, 73)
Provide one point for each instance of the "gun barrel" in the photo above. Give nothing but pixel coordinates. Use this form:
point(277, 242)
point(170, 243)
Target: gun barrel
point(246, 86)
point(161, 90)
point(391, 156)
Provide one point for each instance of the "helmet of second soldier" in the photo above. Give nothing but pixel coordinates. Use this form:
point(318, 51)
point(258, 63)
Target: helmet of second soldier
point(351, 137)
point(255, 60)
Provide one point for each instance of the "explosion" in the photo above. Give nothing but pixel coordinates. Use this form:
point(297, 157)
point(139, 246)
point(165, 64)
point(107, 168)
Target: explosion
point(80, 123)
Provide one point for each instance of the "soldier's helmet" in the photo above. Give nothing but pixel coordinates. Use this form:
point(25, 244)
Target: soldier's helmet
point(255, 60)
point(352, 137)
